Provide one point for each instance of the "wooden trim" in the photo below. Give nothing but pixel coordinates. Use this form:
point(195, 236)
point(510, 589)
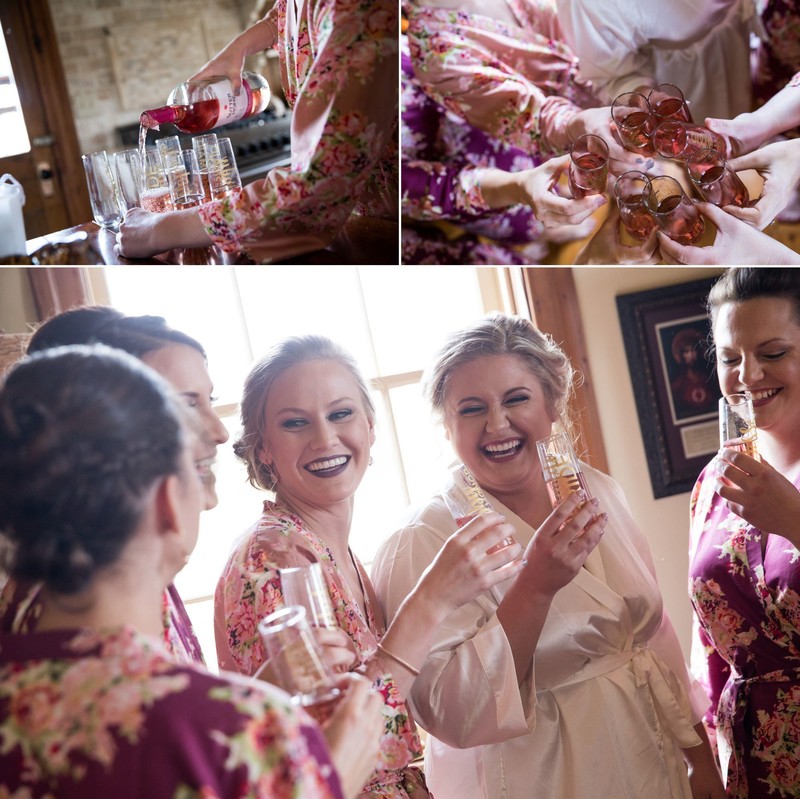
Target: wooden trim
point(554, 308)
point(58, 289)
point(43, 62)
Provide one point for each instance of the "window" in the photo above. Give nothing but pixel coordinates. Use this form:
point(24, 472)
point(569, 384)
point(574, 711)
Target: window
point(392, 320)
point(15, 135)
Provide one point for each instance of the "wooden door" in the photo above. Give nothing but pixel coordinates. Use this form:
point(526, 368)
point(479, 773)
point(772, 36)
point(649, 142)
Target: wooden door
point(50, 171)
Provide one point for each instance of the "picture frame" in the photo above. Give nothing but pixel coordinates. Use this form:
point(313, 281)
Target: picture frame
point(667, 337)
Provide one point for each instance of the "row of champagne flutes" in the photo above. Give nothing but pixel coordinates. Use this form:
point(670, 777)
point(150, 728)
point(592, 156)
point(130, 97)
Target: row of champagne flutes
point(163, 178)
point(660, 123)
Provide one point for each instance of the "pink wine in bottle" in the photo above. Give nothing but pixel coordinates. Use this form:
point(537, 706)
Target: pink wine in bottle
point(200, 105)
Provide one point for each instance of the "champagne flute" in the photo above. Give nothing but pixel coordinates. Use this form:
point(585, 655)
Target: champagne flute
point(465, 500)
point(561, 468)
point(297, 661)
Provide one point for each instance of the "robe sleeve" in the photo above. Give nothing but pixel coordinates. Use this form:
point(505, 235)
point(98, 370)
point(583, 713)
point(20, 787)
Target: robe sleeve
point(491, 93)
point(343, 118)
point(467, 692)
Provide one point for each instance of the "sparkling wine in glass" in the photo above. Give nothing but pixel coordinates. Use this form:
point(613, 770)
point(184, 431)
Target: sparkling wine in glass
point(667, 102)
point(628, 190)
point(673, 211)
point(588, 167)
point(737, 424)
point(631, 114)
point(561, 468)
point(677, 140)
point(297, 662)
point(716, 182)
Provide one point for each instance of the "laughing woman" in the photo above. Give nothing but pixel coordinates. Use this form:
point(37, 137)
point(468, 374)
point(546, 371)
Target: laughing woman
point(744, 577)
point(308, 426)
point(567, 681)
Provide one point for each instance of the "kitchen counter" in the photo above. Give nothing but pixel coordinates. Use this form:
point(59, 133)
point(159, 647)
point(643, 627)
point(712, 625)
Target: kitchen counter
point(361, 242)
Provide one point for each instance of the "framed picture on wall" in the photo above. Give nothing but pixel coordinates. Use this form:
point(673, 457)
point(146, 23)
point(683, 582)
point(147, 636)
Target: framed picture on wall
point(667, 337)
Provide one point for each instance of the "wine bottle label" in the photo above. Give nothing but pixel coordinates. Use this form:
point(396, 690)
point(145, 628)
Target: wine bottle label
point(231, 106)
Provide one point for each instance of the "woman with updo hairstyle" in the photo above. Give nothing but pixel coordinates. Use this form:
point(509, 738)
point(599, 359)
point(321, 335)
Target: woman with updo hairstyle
point(308, 424)
point(99, 503)
point(744, 580)
point(181, 360)
point(568, 679)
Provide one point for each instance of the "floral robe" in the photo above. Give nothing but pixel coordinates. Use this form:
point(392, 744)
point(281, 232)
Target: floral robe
point(21, 607)
point(440, 158)
point(250, 589)
point(747, 609)
point(339, 73)
point(88, 714)
point(519, 84)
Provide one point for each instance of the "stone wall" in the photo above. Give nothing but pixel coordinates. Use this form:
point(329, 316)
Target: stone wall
point(122, 56)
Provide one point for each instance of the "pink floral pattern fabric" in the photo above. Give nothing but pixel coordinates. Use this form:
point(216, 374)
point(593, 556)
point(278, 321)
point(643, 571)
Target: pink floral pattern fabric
point(747, 608)
point(250, 589)
point(87, 714)
point(21, 607)
point(339, 73)
point(519, 84)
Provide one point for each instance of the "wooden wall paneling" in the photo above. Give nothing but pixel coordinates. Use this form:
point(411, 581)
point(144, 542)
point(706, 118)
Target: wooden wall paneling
point(554, 308)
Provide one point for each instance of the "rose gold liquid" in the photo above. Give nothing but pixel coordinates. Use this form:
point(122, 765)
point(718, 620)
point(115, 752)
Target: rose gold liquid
point(559, 488)
point(156, 200)
point(588, 175)
point(320, 709)
point(747, 444)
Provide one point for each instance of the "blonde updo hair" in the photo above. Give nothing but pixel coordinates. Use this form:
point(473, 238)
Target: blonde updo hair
point(502, 334)
point(284, 355)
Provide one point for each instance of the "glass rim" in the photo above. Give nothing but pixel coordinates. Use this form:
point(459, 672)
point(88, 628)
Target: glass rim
point(287, 616)
point(693, 160)
point(615, 106)
point(741, 397)
point(645, 178)
point(648, 190)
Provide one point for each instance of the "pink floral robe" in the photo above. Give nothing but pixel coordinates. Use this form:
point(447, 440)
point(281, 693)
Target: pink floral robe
point(86, 714)
point(519, 84)
point(747, 610)
point(250, 589)
point(339, 73)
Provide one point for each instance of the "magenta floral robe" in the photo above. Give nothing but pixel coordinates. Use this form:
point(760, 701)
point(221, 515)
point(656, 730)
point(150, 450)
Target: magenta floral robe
point(21, 607)
point(85, 715)
point(339, 72)
point(747, 608)
point(250, 589)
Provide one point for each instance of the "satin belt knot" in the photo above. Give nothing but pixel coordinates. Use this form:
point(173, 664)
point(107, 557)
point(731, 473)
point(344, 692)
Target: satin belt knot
point(734, 700)
point(650, 671)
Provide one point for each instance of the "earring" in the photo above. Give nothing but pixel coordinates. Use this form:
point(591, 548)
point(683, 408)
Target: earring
point(371, 460)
